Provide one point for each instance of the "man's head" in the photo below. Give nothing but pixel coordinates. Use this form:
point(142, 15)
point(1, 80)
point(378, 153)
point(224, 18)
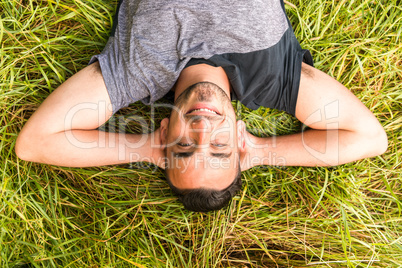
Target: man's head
point(202, 147)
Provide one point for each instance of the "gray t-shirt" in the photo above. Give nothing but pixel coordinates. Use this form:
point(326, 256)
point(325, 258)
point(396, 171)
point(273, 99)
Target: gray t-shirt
point(153, 41)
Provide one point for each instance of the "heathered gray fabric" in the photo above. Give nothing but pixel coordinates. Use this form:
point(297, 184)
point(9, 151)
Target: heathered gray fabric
point(154, 40)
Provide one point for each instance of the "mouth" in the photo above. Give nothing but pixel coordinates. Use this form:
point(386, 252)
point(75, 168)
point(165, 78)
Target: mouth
point(203, 109)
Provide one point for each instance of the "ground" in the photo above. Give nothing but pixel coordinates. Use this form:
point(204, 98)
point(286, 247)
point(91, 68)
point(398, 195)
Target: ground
point(126, 216)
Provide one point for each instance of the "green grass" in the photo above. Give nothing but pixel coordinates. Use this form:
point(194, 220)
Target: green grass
point(126, 216)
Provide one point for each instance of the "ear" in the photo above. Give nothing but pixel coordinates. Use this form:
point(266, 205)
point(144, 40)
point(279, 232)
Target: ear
point(158, 148)
point(246, 146)
point(241, 136)
point(164, 131)
point(242, 144)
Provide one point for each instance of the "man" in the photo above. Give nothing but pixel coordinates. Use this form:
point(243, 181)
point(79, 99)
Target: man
point(208, 53)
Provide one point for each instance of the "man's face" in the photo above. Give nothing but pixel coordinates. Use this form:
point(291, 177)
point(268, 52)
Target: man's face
point(201, 139)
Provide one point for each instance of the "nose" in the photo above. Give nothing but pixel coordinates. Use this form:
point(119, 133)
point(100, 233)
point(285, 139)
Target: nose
point(202, 128)
point(200, 124)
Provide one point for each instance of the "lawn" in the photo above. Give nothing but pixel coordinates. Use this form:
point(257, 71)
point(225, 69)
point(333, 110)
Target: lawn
point(126, 216)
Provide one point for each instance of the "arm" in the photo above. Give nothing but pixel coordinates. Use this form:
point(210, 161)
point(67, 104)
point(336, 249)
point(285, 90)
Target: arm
point(63, 129)
point(343, 129)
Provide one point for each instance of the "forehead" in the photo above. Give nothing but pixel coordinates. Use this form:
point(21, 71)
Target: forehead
point(180, 130)
point(202, 171)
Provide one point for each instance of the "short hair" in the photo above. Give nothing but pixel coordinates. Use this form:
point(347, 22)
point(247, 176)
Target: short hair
point(204, 200)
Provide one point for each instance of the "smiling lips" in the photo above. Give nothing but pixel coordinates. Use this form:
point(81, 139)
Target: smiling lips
point(203, 109)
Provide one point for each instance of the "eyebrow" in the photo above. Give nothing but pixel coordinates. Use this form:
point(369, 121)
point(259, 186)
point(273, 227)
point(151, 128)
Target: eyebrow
point(182, 155)
point(188, 154)
point(221, 155)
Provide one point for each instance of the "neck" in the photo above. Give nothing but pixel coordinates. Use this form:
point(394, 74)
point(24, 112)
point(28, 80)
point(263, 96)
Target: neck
point(202, 73)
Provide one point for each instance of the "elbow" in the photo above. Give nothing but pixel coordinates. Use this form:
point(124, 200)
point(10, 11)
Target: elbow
point(382, 142)
point(23, 147)
point(378, 141)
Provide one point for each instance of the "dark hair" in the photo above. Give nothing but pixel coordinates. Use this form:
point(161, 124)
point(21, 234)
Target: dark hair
point(204, 200)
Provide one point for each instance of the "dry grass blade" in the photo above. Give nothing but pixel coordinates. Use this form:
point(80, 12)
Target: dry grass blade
point(126, 216)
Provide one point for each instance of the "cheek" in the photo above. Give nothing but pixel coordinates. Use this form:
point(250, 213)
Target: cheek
point(224, 134)
point(177, 132)
point(222, 137)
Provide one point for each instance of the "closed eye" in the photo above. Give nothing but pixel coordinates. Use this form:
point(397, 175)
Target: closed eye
point(184, 145)
point(220, 145)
